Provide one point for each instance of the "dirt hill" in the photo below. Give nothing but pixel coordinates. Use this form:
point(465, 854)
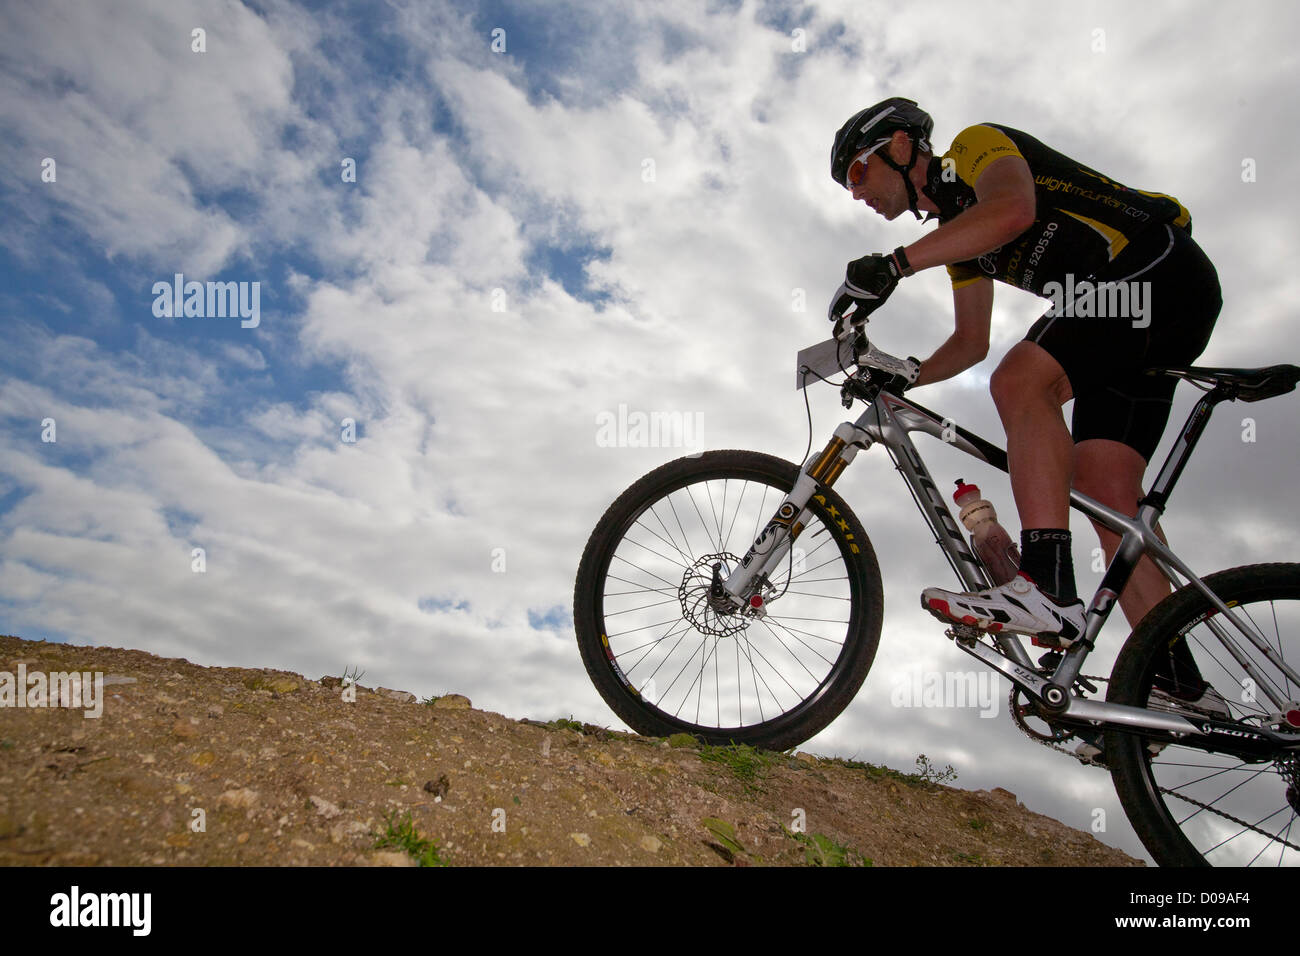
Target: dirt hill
point(195, 765)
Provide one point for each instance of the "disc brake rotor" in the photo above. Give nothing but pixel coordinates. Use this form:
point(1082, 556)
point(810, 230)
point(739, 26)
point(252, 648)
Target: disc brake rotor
point(699, 605)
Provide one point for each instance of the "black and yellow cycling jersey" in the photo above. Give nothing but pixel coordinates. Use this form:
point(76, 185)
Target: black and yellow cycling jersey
point(1083, 219)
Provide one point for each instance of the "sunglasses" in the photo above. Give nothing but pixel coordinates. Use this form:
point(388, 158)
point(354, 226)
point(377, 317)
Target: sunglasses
point(858, 168)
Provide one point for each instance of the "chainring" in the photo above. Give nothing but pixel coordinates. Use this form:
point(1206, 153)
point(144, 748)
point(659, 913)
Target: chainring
point(1021, 712)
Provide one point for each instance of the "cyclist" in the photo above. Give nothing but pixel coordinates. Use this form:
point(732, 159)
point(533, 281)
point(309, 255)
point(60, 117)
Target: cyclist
point(1012, 209)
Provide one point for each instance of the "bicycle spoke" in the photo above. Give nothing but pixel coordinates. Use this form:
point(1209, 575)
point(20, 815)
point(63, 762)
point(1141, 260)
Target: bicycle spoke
point(1217, 807)
point(664, 635)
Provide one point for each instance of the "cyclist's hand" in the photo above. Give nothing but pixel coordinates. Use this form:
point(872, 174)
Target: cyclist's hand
point(867, 284)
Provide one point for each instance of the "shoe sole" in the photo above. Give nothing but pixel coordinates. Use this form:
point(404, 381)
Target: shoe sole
point(939, 608)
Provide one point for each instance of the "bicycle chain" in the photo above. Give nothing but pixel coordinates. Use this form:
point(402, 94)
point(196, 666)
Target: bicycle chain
point(1084, 760)
point(1047, 743)
point(1227, 816)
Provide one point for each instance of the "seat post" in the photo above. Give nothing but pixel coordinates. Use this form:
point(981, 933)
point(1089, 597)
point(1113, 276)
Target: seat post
point(1158, 496)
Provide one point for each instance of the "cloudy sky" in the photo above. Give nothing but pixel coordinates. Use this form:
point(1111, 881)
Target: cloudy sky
point(556, 210)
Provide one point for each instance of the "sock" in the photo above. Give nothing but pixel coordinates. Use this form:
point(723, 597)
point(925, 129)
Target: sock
point(1045, 557)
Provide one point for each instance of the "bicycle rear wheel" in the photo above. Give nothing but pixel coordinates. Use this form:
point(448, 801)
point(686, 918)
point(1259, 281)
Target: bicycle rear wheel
point(1189, 806)
point(666, 662)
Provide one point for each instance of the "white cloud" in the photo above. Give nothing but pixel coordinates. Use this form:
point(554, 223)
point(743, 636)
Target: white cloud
point(477, 428)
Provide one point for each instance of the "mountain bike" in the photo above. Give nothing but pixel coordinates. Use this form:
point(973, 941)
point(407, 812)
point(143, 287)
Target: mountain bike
point(734, 596)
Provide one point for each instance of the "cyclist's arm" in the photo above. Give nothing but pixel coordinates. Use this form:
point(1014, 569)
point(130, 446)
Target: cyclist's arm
point(969, 342)
point(1004, 208)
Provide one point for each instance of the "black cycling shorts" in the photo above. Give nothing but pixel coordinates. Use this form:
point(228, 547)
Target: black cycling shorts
point(1165, 317)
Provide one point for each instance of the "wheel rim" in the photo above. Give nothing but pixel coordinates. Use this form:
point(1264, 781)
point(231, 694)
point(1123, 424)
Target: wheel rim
point(702, 670)
point(1229, 811)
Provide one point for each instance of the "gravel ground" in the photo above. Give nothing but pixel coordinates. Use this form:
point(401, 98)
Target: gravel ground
point(203, 766)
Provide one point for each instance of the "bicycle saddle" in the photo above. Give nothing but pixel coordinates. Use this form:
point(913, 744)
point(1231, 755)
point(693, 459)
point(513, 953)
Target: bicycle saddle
point(1247, 384)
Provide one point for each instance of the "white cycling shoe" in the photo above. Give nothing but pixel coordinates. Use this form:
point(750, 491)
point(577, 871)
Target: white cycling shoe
point(1017, 606)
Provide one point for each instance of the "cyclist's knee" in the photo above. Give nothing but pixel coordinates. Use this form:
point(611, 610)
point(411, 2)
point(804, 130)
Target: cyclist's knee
point(1028, 370)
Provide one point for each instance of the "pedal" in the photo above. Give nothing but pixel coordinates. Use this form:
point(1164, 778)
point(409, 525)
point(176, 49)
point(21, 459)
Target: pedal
point(1051, 660)
point(964, 634)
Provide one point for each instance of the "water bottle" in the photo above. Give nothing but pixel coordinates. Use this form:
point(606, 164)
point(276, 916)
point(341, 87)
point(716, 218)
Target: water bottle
point(990, 540)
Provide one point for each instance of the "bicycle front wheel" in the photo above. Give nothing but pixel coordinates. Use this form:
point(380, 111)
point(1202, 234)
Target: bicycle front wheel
point(1189, 806)
point(667, 662)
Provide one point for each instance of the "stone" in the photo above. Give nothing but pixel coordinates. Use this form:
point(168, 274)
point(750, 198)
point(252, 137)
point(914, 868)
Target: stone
point(241, 799)
point(452, 702)
point(391, 858)
point(324, 807)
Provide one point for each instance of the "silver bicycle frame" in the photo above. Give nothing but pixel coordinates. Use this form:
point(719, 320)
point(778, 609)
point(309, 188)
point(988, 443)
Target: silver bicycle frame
point(889, 420)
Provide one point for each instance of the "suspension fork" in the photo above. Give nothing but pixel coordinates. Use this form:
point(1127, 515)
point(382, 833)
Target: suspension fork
point(776, 539)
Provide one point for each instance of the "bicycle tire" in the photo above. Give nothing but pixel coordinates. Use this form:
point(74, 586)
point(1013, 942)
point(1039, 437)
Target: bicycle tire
point(1170, 797)
point(699, 508)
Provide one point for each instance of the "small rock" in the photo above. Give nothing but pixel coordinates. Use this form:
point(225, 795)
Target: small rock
point(340, 832)
point(651, 844)
point(203, 759)
point(215, 710)
point(324, 807)
point(178, 839)
point(452, 702)
point(1004, 794)
point(406, 697)
point(242, 838)
point(112, 679)
point(183, 728)
point(391, 858)
point(239, 799)
point(581, 839)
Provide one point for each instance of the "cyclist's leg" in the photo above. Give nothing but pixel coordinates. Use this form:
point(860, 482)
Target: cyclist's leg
point(1029, 387)
point(1118, 422)
point(1111, 472)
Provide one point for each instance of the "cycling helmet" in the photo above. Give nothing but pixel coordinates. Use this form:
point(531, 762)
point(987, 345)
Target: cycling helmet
point(872, 128)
